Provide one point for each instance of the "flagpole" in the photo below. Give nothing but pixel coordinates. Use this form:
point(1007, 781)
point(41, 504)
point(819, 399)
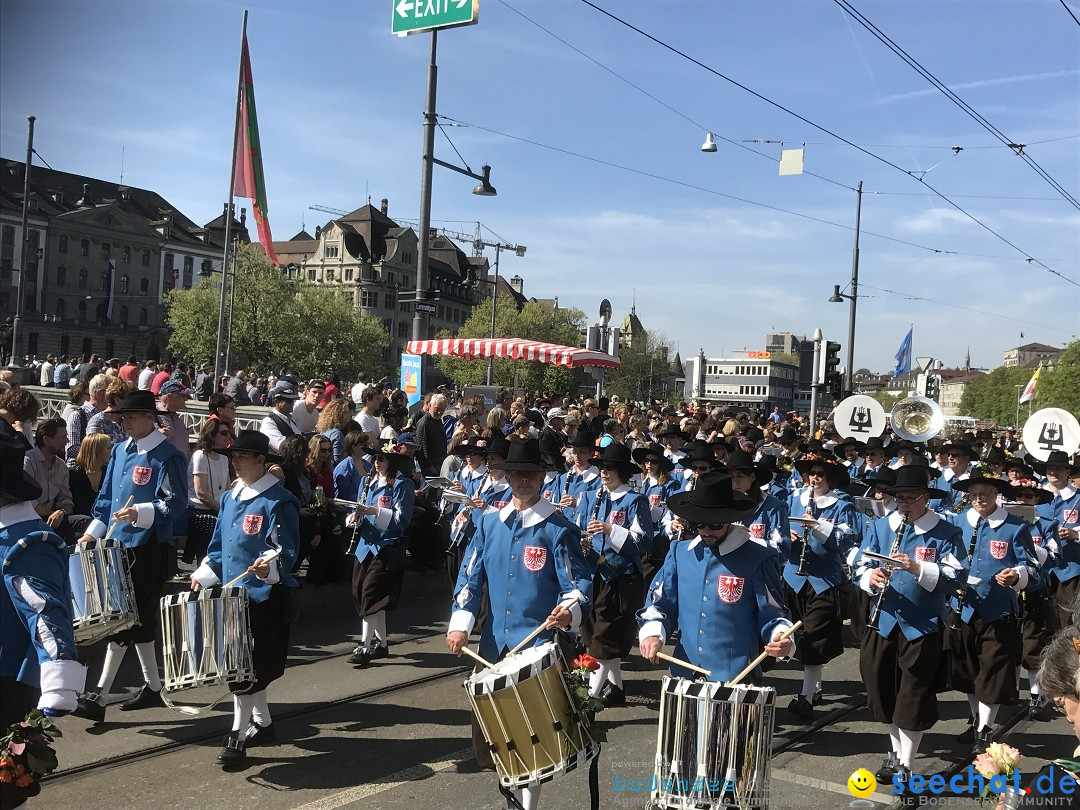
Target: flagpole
point(229, 207)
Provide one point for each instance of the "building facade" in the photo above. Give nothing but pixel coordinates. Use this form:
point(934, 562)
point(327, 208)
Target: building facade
point(952, 391)
point(741, 380)
point(784, 343)
point(1030, 354)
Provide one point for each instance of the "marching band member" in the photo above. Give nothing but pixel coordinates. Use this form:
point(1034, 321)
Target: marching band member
point(468, 480)
point(720, 590)
point(769, 525)
point(149, 472)
point(1065, 509)
point(618, 526)
point(258, 517)
point(984, 639)
point(814, 595)
point(876, 458)
point(852, 452)
point(673, 440)
point(531, 559)
point(958, 456)
point(379, 525)
point(657, 486)
point(1038, 616)
point(38, 662)
point(551, 451)
point(901, 654)
point(582, 476)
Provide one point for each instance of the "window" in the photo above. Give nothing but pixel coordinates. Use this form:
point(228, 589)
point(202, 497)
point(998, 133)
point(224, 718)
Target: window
point(389, 278)
point(82, 279)
point(311, 274)
point(61, 307)
point(125, 254)
point(330, 275)
point(124, 284)
point(84, 247)
point(61, 275)
point(143, 317)
point(123, 316)
point(146, 258)
point(144, 286)
point(189, 269)
point(403, 329)
point(406, 258)
point(106, 250)
point(330, 251)
point(103, 284)
point(168, 264)
point(369, 298)
point(82, 310)
point(61, 245)
point(110, 348)
point(389, 300)
point(348, 274)
point(388, 325)
point(206, 267)
point(8, 235)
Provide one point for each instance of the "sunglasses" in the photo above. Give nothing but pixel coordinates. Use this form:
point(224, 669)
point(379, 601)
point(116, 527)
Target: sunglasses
point(909, 498)
point(701, 469)
point(699, 526)
point(610, 467)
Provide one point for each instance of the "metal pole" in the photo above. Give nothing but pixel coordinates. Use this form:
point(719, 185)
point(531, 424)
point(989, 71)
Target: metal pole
point(815, 384)
point(229, 209)
point(232, 301)
point(1016, 422)
point(494, 293)
point(854, 296)
point(419, 327)
point(25, 240)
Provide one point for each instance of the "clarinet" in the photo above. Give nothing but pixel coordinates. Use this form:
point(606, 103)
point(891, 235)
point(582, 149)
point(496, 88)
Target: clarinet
point(875, 610)
point(811, 505)
point(679, 532)
point(362, 501)
point(465, 524)
point(566, 488)
point(961, 593)
point(586, 539)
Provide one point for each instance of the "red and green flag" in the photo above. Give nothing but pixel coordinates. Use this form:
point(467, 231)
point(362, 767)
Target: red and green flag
point(248, 180)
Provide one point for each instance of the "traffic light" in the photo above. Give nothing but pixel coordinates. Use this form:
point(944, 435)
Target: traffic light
point(833, 377)
point(933, 386)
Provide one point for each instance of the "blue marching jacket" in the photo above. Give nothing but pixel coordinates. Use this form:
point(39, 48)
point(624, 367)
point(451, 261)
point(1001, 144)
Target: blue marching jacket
point(530, 562)
point(1004, 541)
point(770, 526)
point(915, 603)
point(1044, 536)
point(580, 483)
point(1065, 509)
point(37, 640)
point(152, 471)
point(394, 499)
point(837, 531)
point(725, 601)
point(621, 552)
point(254, 520)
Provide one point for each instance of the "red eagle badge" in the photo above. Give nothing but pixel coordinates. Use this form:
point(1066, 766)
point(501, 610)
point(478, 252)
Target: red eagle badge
point(998, 549)
point(1070, 515)
point(926, 554)
point(547, 494)
point(383, 501)
point(252, 524)
point(534, 557)
point(1036, 539)
point(730, 589)
point(757, 531)
point(654, 500)
point(617, 517)
point(141, 475)
point(500, 504)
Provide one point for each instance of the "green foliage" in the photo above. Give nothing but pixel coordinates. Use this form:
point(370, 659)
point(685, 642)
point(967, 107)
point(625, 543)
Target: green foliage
point(276, 323)
point(994, 396)
point(539, 321)
point(1060, 387)
point(644, 369)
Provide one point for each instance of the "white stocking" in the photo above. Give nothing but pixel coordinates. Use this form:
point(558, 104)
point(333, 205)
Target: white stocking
point(614, 671)
point(114, 656)
point(377, 622)
point(973, 702)
point(811, 679)
point(909, 746)
point(260, 709)
point(1033, 682)
point(894, 738)
point(366, 631)
point(148, 662)
point(528, 797)
point(242, 705)
point(597, 679)
point(987, 715)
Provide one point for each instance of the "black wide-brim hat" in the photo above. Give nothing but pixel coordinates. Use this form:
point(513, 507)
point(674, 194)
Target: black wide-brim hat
point(251, 441)
point(843, 446)
point(712, 501)
point(550, 445)
point(619, 455)
point(673, 432)
point(1029, 486)
point(522, 455)
point(788, 436)
point(584, 438)
point(913, 479)
point(15, 483)
point(1057, 458)
point(700, 453)
point(741, 460)
point(885, 477)
point(654, 453)
point(839, 472)
point(877, 443)
point(138, 401)
point(958, 449)
point(1003, 486)
point(475, 446)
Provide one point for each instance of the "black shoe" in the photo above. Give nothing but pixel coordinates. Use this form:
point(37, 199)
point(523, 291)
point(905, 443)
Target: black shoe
point(1040, 709)
point(377, 651)
point(612, 695)
point(968, 734)
point(818, 698)
point(887, 771)
point(801, 708)
point(232, 751)
point(362, 656)
point(260, 735)
point(147, 698)
point(981, 742)
point(89, 708)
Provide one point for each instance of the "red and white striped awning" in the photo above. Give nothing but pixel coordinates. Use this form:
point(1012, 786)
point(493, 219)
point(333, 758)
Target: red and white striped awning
point(514, 349)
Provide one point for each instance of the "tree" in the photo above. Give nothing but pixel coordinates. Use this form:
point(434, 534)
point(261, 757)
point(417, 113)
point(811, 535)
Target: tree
point(538, 320)
point(1059, 387)
point(995, 396)
point(276, 323)
point(644, 368)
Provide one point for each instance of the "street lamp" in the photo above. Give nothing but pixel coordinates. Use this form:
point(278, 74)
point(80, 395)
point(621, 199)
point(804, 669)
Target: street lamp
point(853, 297)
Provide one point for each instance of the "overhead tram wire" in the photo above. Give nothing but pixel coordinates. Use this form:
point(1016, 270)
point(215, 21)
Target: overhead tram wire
point(1017, 148)
point(663, 103)
point(1066, 6)
point(832, 134)
point(684, 184)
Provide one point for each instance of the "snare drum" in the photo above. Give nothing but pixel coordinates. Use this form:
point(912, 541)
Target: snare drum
point(533, 728)
point(206, 642)
point(713, 746)
point(102, 596)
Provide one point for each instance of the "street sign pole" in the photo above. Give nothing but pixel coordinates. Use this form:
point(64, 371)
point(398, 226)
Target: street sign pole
point(420, 16)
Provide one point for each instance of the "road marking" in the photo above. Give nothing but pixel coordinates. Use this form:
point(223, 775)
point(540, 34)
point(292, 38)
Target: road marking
point(821, 784)
point(394, 780)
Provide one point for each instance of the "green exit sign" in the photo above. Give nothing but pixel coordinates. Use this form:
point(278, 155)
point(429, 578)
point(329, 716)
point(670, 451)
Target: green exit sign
point(416, 16)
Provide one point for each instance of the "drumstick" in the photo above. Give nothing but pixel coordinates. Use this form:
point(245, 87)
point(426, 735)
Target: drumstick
point(116, 520)
point(234, 580)
point(569, 603)
point(684, 664)
point(476, 657)
point(753, 664)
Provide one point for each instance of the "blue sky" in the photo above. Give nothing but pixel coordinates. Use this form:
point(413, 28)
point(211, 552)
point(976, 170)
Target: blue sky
point(340, 103)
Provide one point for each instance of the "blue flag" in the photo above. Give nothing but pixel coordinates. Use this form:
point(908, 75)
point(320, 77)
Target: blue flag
point(903, 356)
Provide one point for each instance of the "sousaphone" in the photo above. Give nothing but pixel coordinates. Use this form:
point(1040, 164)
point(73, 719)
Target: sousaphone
point(917, 419)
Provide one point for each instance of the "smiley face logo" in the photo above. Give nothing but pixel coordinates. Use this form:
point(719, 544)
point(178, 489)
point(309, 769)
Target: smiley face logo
point(861, 783)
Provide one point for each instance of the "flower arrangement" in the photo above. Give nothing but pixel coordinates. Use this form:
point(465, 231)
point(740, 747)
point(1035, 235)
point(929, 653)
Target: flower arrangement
point(26, 754)
point(577, 682)
point(997, 765)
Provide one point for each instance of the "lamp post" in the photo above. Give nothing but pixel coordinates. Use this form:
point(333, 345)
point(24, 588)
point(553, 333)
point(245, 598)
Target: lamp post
point(25, 258)
point(853, 297)
point(499, 246)
point(1016, 421)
